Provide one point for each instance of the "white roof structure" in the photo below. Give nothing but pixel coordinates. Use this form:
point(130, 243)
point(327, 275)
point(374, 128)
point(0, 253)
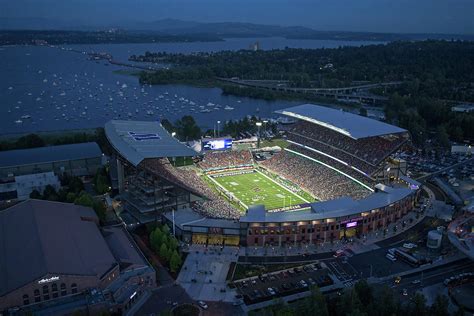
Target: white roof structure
point(346, 123)
point(139, 140)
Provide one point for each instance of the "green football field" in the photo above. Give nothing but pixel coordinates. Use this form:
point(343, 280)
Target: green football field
point(257, 188)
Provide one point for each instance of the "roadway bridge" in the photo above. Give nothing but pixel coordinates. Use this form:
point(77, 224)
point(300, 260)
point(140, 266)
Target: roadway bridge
point(345, 93)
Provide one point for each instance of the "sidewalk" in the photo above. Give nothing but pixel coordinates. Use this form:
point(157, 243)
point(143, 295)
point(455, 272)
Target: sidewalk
point(204, 273)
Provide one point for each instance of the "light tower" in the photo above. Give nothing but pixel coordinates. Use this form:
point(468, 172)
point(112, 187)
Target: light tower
point(259, 124)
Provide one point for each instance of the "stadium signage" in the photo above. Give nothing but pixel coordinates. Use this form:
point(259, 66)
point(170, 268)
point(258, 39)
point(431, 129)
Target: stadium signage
point(352, 220)
point(143, 136)
point(297, 207)
point(48, 280)
point(351, 224)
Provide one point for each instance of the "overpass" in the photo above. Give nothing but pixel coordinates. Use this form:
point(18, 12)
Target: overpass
point(343, 93)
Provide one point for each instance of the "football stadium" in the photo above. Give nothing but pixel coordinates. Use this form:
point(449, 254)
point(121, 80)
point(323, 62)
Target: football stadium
point(340, 176)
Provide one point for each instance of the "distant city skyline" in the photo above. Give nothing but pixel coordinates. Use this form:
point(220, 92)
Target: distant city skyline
point(402, 16)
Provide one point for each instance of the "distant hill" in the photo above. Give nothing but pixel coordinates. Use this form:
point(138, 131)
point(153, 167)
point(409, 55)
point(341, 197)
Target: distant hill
point(220, 29)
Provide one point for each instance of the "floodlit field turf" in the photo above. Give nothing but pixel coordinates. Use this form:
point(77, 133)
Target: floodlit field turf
point(256, 188)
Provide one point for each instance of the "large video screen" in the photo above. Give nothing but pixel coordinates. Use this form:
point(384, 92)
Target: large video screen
point(217, 144)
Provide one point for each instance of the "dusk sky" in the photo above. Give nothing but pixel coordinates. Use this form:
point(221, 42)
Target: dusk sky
point(428, 16)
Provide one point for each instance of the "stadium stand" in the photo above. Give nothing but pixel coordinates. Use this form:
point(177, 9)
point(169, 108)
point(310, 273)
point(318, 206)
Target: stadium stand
point(214, 205)
point(323, 182)
point(215, 160)
point(371, 150)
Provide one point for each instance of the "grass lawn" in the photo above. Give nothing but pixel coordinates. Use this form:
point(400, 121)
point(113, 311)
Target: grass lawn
point(257, 188)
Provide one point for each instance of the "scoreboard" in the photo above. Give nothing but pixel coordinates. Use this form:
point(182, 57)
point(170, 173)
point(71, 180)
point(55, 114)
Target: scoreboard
point(216, 143)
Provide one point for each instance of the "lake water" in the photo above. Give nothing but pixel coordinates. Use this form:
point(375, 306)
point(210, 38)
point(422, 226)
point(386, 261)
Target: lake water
point(47, 89)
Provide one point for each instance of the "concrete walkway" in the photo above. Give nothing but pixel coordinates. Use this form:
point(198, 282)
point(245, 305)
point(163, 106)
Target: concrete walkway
point(204, 273)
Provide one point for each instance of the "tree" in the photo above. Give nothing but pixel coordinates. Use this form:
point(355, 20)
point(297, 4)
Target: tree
point(187, 128)
point(165, 229)
point(173, 243)
point(75, 185)
point(30, 141)
point(163, 251)
point(49, 193)
point(418, 305)
point(167, 126)
point(175, 261)
point(70, 197)
point(156, 237)
point(384, 302)
point(101, 184)
point(84, 199)
point(100, 210)
point(442, 136)
point(35, 195)
point(440, 306)
point(364, 292)
point(316, 303)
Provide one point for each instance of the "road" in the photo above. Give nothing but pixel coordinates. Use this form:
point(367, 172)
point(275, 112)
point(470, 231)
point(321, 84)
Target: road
point(428, 278)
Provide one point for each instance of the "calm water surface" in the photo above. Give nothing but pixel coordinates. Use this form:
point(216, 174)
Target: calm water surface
point(46, 89)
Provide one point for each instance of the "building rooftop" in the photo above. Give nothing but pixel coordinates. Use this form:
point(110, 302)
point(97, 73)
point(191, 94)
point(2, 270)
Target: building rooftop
point(340, 207)
point(44, 237)
point(19, 157)
point(123, 248)
point(349, 124)
point(139, 140)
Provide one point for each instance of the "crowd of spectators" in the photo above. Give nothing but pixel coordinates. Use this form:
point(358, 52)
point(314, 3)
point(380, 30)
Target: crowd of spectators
point(371, 149)
point(213, 205)
point(215, 160)
point(333, 163)
point(332, 151)
point(322, 182)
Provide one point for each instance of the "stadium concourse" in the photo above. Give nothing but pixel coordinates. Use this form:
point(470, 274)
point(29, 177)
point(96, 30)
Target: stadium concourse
point(336, 179)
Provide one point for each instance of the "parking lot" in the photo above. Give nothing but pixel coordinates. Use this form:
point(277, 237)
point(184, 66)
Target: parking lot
point(283, 283)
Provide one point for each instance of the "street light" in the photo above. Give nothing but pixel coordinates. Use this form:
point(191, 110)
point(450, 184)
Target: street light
point(173, 134)
point(259, 124)
point(265, 126)
point(218, 122)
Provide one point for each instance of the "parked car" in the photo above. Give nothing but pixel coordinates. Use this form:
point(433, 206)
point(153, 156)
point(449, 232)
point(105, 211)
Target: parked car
point(203, 305)
point(409, 245)
point(303, 283)
point(271, 291)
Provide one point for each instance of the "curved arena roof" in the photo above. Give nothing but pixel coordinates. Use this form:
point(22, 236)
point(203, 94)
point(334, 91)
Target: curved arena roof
point(349, 124)
point(139, 140)
point(340, 207)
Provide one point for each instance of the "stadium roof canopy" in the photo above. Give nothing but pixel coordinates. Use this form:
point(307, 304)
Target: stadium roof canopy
point(349, 124)
point(21, 157)
point(139, 140)
point(341, 207)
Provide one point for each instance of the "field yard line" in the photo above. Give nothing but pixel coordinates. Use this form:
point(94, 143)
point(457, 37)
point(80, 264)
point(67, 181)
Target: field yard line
point(222, 187)
point(281, 185)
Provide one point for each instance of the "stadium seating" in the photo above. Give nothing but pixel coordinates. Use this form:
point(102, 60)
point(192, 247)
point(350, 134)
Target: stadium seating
point(324, 183)
point(214, 160)
point(372, 150)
